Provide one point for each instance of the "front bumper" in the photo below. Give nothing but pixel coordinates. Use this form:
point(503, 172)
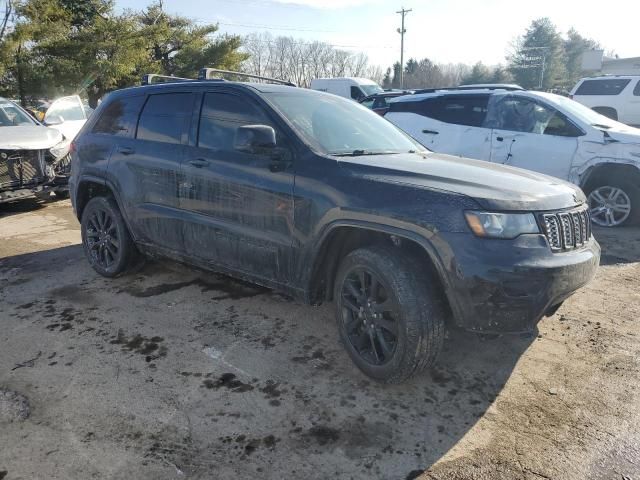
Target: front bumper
point(20, 193)
point(500, 286)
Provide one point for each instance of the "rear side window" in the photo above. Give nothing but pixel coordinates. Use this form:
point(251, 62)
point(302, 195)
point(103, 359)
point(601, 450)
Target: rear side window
point(636, 91)
point(609, 86)
point(469, 110)
point(165, 117)
point(119, 117)
point(221, 115)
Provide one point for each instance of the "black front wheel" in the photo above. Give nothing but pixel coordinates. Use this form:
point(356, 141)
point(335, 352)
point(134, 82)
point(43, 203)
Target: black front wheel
point(390, 314)
point(105, 237)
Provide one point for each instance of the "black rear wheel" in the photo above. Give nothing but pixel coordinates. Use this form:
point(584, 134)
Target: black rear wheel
point(389, 313)
point(106, 240)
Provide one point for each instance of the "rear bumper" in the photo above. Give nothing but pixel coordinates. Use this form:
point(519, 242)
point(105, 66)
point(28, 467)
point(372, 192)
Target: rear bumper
point(501, 286)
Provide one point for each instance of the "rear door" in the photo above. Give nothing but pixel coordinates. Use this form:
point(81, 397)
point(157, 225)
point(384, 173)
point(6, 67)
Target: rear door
point(147, 169)
point(450, 124)
point(240, 208)
point(531, 135)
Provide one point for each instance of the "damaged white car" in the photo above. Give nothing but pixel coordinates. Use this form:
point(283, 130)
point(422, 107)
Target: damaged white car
point(538, 131)
point(34, 159)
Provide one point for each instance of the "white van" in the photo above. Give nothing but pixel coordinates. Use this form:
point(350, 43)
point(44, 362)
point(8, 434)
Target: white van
point(617, 97)
point(348, 87)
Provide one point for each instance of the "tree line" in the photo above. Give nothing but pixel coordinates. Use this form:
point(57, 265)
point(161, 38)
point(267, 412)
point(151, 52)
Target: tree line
point(54, 47)
point(542, 58)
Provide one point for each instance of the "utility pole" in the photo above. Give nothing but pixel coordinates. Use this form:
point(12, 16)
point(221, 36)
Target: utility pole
point(402, 31)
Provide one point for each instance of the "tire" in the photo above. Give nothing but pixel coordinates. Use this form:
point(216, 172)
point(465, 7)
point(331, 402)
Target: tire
point(604, 190)
point(106, 239)
point(608, 112)
point(61, 194)
point(418, 314)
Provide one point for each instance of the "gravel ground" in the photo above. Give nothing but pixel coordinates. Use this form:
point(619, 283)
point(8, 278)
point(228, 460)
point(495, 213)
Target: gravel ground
point(169, 373)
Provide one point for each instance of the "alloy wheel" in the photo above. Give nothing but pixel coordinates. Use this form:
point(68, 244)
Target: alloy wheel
point(370, 316)
point(102, 238)
point(610, 206)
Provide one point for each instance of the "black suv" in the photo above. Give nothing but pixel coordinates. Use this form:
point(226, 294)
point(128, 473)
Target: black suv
point(317, 197)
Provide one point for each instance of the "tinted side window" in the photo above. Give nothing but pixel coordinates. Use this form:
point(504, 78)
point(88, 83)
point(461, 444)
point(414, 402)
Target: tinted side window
point(165, 117)
point(356, 93)
point(612, 86)
point(469, 110)
point(636, 91)
point(220, 117)
point(119, 117)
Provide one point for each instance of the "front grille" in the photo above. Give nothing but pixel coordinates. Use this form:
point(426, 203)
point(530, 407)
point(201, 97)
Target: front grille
point(21, 168)
point(567, 230)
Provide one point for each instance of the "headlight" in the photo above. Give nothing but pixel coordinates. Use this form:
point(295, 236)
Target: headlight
point(501, 225)
point(61, 149)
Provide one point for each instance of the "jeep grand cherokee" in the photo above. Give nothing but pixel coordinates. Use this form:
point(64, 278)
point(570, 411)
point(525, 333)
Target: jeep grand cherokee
point(320, 198)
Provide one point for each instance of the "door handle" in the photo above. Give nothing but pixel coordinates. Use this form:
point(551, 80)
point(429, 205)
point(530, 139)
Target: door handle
point(126, 150)
point(500, 139)
point(432, 132)
point(199, 162)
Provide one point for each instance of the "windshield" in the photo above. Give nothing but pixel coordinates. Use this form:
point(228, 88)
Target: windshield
point(581, 112)
point(337, 126)
point(371, 89)
point(11, 115)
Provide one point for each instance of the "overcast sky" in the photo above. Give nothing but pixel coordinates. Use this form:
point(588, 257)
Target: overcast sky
point(443, 30)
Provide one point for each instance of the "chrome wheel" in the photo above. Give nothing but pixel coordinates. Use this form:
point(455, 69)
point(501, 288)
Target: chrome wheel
point(610, 206)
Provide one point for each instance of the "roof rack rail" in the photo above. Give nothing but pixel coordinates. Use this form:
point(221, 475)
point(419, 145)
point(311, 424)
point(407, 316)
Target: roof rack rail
point(206, 74)
point(154, 78)
point(471, 87)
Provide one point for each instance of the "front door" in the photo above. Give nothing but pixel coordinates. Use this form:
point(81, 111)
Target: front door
point(239, 207)
point(531, 135)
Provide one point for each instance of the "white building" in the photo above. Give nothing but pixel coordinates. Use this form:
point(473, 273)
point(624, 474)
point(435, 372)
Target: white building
point(594, 62)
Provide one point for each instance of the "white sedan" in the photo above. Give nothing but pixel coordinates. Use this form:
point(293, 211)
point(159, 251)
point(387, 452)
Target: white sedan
point(538, 131)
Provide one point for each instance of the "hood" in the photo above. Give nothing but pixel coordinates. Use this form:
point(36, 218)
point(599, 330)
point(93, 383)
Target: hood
point(494, 187)
point(628, 135)
point(28, 137)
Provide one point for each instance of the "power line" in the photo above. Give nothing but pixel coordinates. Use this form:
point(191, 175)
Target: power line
point(269, 27)
point(325, 43)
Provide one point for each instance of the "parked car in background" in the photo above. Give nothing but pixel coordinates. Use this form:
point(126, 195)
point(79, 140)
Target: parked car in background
point(311, 194)
point(378, 102)
point(34, 158)
point(616, 97)
point(348, 87)
point(538, 131)
point(67, 115)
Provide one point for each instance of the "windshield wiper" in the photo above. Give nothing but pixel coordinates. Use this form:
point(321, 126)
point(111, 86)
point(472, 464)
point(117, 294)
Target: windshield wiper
point(360, 153)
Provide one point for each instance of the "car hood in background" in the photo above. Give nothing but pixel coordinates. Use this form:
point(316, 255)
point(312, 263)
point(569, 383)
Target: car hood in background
point(28, 137)
point(494, 187)
point(628, 135)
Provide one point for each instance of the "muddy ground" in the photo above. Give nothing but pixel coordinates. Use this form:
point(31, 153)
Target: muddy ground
point(169, 373)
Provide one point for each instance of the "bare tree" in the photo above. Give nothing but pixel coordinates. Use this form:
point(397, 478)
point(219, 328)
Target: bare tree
point(300, 61)
point(5, 16)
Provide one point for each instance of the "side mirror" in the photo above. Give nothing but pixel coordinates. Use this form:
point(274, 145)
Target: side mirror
point(54, 120)
point(255, 139)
